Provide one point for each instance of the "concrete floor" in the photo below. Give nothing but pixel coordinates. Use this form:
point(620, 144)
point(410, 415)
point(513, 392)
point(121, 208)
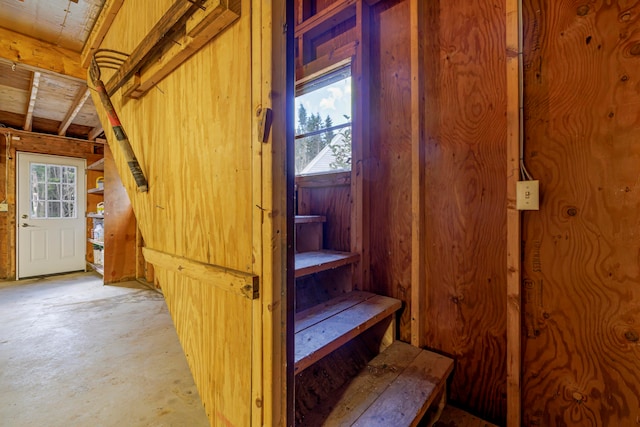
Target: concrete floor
point(76, 353)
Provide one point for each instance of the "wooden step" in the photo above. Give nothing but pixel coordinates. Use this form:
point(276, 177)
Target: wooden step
point(322, 329)
point(395, 389)
point(317, 261)
point(308, 219)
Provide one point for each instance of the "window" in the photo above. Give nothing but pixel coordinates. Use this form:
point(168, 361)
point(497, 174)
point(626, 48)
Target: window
point(323, 124)
point(53, 191)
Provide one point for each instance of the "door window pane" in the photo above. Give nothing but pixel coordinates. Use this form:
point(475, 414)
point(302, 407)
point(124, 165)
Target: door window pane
point(53, 173)
point(68, 210)
point(53, 191)
point(53, 209)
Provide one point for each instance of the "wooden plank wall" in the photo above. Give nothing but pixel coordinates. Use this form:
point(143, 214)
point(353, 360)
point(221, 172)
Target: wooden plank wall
point(31, 143)
point(581, 268)
point(465, 184)
point(390, 168)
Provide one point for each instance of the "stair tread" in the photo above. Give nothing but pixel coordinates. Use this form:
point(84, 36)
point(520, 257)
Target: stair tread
point(396, 388)
point(316, 261)
point(306, 219)
point(322, 329)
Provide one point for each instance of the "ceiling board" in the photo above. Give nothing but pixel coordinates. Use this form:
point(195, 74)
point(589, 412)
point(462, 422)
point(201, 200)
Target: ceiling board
point(15, 77)
point(55, 97)
point(60, 22)
point(13, 100)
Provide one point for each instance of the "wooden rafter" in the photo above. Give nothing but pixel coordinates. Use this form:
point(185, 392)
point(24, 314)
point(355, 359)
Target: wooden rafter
point(93, 134)
point(26, 50)
point(74, 110)
point(35, 83)
point(100, 28)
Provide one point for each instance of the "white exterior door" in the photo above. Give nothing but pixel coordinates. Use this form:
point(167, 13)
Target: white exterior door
point(51, 235)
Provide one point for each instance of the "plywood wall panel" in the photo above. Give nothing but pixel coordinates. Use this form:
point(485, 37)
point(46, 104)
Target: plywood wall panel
point(196, 311)
point(581, 362)
point(194, 136)
point(390, 165)
point(181, 133)
point(465, 224)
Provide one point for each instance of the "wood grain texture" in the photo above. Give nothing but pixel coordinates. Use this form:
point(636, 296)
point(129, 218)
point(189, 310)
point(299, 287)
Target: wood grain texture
point(513, 73)
point(119, 227)
point(407, 398)
point(581, 267)
point(221, 372)
point(324, 334)
point(213, 199)
point(332, 202)
point(23, 49)
point(315, 262)
point(465, 222)
point(390, 167)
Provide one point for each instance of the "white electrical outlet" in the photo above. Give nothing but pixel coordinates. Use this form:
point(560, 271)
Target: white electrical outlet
point(4, 207)
point(528, 198)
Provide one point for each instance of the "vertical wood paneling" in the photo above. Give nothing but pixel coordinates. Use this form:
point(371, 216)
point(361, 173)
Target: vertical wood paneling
point(390, 166)
point(465, 224)
point(226, 397)
point(581, 266)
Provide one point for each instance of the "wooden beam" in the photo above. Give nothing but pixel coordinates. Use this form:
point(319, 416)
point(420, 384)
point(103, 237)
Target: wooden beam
point(93, 133)
point(35, 83)
point(26, 50)
point(419, 295)
point(360, 165)
point(44, 143)
point(513, 261)
point(202, 26)
point(99, 31)
point(74, 110)
point(238, 282)
point(160, 34)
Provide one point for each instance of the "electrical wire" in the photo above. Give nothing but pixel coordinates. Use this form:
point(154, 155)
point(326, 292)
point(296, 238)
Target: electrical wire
point(525, 175)
point(6, 166)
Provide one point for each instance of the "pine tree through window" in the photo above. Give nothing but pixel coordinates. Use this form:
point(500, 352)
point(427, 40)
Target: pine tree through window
point(323, 124)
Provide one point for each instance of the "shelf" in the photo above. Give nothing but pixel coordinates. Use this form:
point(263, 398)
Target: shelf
point(95, 215)
point(95, 191)
point(96, 242)
point(96, 166)
point(317, 261)
point(308, 219)
point(97, 267)
point(333, 15)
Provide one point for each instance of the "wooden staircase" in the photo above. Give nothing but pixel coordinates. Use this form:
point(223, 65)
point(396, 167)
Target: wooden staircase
point(395, 388)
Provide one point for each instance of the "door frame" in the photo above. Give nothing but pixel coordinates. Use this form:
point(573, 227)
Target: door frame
point(80, 190)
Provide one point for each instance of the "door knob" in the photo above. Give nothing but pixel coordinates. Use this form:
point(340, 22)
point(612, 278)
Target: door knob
point(25, 216)
point(24, 224)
